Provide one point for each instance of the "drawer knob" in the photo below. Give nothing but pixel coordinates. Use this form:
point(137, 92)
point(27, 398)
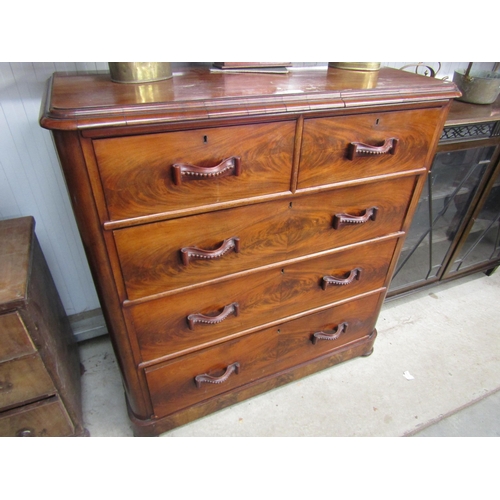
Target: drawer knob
point(25, 433)
point(187, 172)
point(205, 378)
point(212, 320)
point(189, 253)
point(329, 334)
point(343, 219)
point(333, 280)
point(362, 149)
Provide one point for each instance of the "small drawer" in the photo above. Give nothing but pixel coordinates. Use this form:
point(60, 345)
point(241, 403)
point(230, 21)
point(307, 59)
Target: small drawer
point(167, 255)
point(14, 338)
point(172, 171)
point(24, 379)
point(46, 418)
point(347, 148)
point(313, 336)
point(211, 372)
point(198, 317)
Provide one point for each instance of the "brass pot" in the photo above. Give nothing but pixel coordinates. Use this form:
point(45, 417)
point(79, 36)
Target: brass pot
point(356, 66)
point(139, 72)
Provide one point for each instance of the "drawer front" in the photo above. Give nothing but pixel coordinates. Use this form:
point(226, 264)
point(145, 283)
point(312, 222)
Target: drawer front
point(138, 176)
point(327, 151)
point(24, 379)
point(313, 336)
point(208, 373)
point(173, 254)
point(14, 338)
point(162, 326)
point(43, 419)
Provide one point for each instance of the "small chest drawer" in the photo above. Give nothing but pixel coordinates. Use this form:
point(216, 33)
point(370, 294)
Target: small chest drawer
point(194, 318)
point(24, 379)
point(177, 253)
point(14, 339)
point(355, 147)
point(47, 418)
point(155, 173)
point(206, 374)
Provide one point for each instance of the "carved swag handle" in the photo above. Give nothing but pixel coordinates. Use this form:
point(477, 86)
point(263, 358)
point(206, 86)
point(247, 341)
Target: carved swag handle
point(189, 253)
point(209, 379)
point(329, 334)
point(362, 149)
point(187, 172)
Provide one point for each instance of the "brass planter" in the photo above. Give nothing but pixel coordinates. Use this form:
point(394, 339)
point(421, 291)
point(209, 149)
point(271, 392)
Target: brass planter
point(139, 72)
point(356, 66)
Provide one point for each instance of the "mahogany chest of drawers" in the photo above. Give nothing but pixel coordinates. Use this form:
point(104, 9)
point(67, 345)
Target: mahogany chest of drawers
point(40, 391)
point(241, 229)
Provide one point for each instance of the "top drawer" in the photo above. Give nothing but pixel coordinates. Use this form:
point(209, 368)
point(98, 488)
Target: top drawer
point(333, 148)
point(215, 165)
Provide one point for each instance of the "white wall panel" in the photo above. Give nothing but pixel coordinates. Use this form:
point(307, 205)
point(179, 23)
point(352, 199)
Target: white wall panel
point(31, 182)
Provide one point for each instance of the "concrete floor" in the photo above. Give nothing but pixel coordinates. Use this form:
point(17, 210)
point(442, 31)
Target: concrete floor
point(446, 340)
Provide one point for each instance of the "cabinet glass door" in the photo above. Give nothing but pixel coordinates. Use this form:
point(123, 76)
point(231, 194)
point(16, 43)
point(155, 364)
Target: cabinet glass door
point(483, 240)
point(451, 185)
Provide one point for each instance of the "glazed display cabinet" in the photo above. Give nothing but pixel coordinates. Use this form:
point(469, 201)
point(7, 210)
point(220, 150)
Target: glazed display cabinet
point(456, 228)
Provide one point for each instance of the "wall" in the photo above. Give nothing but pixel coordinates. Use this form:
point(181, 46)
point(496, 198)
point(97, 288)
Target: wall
point(31, 182)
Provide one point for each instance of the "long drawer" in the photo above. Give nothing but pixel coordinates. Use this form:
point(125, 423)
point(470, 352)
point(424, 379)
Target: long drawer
point(194, 318)
point(345, 148)
point(206, 374)
point(155, 173)
point(177, 253)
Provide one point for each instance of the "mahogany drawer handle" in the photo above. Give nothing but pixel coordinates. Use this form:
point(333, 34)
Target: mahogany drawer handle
point(329, 334)
point(362, 149)
point(343, 219)
point(213, 320)
point(333, 280)
point(189, 253)
point(205, 378)
point(188, 172)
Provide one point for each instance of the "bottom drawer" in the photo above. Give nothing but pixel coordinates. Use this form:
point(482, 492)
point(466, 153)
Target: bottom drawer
point(202, 375)
point(211, 372)
point(46, 418)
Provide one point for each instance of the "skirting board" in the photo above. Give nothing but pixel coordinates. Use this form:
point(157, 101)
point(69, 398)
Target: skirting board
point(88, 325)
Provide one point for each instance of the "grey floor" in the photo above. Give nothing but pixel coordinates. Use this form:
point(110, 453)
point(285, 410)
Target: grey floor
point(435, 372)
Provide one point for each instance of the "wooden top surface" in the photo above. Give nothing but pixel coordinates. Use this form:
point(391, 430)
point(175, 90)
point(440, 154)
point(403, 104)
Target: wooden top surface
point(15, 257)
point(76, 101)
point(463, 112)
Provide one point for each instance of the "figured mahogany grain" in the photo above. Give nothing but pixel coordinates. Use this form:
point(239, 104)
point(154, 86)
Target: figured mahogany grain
point(295, 344)
point(264, 296)
point(173, 387)
point(137, 175)
point(150, 256)
point(325, 146)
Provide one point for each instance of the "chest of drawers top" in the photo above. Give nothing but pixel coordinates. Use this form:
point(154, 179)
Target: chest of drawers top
point(87, 101)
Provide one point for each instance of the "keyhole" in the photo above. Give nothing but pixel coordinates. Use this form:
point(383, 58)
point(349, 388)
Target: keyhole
point(377, 121)
point(205, 139)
